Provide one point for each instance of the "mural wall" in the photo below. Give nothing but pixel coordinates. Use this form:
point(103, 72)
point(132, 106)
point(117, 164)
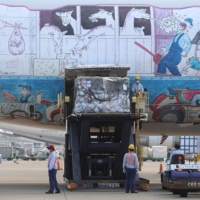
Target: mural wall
point(41, 43)
point(31, 99)
point(155, 42)
point(173, 99)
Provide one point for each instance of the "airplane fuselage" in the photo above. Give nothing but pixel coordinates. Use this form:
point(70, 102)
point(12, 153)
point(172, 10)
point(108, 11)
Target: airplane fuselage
point(160, 44)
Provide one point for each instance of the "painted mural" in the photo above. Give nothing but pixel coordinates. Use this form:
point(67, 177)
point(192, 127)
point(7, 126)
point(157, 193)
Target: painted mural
point(173, 99)
point(146, 38)
point(156, 43)
point(31, 99)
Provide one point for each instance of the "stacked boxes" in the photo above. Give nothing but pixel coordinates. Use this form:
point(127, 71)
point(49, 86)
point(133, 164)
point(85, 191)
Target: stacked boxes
point(101, 94)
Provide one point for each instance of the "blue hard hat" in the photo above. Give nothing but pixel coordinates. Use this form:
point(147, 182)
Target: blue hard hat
point(189, 20)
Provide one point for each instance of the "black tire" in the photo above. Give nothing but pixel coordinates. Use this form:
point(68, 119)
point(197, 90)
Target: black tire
point(161, 180)
point(163, 187)
point(183, 193)
point(175, 116)
point(175, 191)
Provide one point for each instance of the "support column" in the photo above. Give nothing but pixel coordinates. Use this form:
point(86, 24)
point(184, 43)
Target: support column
point(76, 168)
point(84, 143)
point(66, 160)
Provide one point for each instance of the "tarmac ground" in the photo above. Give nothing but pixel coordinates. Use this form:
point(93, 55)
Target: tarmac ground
point(28, 180)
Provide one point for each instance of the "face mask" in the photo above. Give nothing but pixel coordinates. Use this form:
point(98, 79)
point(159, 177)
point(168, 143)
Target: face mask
point(137, 81)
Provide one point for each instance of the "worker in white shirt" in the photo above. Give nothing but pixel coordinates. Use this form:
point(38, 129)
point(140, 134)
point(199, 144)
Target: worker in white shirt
point(52, 169)
point(137, 86)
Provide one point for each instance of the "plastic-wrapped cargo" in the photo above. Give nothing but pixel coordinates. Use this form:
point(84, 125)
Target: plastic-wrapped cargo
point(145, 153)
point(101, 94)
point(29, 148)
point(5, 144)
point(6, 151)
point(159, 151)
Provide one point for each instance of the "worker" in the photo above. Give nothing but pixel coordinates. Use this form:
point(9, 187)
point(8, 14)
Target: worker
point(130, 167)
point(52, 169)
point(176, 151)
point(16, 156)
point(137, 87)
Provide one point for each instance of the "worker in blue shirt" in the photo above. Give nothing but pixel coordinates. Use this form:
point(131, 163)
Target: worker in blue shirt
point(52, 169)
point(176, 151)
point(179, 47)
point(130, 166)
point(137, 86)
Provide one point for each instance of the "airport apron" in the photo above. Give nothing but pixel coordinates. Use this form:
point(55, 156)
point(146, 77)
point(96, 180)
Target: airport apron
point(172, 59)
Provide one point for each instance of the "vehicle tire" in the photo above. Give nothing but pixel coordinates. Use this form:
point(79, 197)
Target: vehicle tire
point(161, 180)
point(163, 187)
point(58, 118)
point(183, 193)
point(18, 113)
point(171, 116)
point(175, 191)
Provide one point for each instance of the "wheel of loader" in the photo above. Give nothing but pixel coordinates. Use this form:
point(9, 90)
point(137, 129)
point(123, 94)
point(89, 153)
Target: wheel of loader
point(183, 193)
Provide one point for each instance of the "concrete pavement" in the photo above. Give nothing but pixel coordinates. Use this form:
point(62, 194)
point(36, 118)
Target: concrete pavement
point(29, 180)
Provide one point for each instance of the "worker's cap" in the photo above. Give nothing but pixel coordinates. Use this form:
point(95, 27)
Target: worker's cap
point(189, 20)
point(137, 78)
point(131, 146)
point(51, 147)
point(28, 87)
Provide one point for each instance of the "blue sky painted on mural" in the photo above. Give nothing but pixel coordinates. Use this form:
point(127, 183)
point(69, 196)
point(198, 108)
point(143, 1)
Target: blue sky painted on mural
point(49, 89)
point(157, 85)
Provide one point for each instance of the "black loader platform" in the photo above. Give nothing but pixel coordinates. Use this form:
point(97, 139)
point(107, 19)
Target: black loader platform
point(96, 142)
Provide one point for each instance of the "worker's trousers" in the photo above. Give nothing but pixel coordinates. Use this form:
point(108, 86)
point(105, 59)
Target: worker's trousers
point(52, 180)
point(130, 179)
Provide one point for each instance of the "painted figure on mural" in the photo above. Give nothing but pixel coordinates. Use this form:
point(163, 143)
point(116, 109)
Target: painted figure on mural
point(25, 91)
point(179, 46)
point(194, 61)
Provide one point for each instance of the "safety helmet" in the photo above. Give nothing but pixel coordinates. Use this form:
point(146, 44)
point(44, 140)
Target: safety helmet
point(131, 146)
point(137, 78)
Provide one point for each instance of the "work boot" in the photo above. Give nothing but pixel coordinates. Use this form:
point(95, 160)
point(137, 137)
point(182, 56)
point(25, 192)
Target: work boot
point(133, 191)
point(49, 192)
